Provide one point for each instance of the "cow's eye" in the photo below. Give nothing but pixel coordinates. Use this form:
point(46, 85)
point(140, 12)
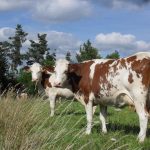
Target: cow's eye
point(66, 72)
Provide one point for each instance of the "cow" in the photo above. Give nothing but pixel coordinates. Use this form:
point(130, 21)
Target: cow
point(44, 77)
point(104, 82)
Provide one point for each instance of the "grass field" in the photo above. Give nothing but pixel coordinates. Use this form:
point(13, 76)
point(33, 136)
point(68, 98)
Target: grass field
point(26, 125)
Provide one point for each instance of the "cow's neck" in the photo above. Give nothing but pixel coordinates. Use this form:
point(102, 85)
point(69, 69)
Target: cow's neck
point(40, 87)
point(74, 81)
point(45, 80)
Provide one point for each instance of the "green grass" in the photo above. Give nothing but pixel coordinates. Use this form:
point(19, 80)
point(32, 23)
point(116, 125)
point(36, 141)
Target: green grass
point(26, 125)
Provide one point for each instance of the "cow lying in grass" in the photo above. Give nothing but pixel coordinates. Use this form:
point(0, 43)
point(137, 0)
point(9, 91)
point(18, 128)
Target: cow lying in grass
point(44, 77)
point(104, 82)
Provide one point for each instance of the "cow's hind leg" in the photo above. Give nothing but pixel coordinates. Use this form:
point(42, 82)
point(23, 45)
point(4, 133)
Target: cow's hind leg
point(89, 115)
point(103, 115)
point(143, 119)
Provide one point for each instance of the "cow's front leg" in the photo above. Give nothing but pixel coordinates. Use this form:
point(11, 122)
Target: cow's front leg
point(52, 100)
point(89, 115)
point(103, 115)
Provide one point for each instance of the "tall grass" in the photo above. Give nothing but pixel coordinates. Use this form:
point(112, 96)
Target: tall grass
point(26, 125)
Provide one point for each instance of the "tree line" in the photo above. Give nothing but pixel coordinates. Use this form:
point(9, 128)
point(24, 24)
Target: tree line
point(11, 56)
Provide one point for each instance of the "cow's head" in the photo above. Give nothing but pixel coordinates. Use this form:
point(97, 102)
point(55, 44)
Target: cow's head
point(36, 71)
point(63, 70)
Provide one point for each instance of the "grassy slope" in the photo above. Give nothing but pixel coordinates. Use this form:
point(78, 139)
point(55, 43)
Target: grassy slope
point(27, 125)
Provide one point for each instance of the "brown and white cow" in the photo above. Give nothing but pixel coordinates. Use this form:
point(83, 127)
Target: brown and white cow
point(44, 77)
point(104, 82)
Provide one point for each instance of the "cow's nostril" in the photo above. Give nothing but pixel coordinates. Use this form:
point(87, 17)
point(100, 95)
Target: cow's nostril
point(57, 84)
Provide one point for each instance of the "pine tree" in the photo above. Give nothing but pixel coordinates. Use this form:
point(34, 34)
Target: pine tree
point(38, 50)
point(3, 64)
point(68, 56)
point(49, 59)
point(15, 46)
point(87, 52)
point(114, 55)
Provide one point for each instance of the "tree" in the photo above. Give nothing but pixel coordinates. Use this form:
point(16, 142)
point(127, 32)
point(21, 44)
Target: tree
point(49, 59)
point(68, 56)
point(39, 51)
point(15, 46)
point(3, 64)
point(87, 52)
point(114, 55)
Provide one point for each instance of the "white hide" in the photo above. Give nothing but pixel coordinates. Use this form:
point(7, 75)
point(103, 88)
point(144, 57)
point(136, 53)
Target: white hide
point(60, 69)
point(36, 73)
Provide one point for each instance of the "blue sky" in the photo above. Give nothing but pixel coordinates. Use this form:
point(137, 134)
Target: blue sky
point(122, 25)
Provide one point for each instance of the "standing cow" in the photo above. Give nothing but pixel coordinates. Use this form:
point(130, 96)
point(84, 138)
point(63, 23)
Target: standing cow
point(44, 78)
point(104, 82)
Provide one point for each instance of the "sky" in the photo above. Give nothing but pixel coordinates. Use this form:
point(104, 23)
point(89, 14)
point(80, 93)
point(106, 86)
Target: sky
point(122, 25)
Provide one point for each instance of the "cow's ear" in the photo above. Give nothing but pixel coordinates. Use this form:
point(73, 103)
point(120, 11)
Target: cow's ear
point(26, 69)
point(47, 70)
point(74, 68)
point(43, 69)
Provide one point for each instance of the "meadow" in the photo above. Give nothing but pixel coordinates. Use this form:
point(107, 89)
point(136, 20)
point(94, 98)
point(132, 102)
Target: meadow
point(26, 125)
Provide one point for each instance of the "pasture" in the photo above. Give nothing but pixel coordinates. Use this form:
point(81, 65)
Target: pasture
point(26, 125)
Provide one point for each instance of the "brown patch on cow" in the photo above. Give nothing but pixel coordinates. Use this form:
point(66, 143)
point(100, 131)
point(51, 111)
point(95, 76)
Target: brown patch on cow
point(142, 67)
point(75, 68)
point(130, 78)
point(123, 63)
point(131, 58)
point(79, 78)
point(48, 69)
point(116, 65)
point(100, 77)
point(45, 76)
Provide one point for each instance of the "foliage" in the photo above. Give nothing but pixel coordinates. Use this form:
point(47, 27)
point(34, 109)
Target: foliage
point(68, 56)
point(25, 79)
point(50, 59)
point(3, 65)
point(38, 49)
point(114, 55)
point(87, 52)
point(15, 45)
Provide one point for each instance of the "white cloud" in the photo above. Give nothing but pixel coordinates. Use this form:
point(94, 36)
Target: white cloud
point(124, 4)
point(66, 10)
point(5, 33)
point(13, 4)
point(61, 10)
point(125, 43)
point(50, 10)
point(62, 42)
